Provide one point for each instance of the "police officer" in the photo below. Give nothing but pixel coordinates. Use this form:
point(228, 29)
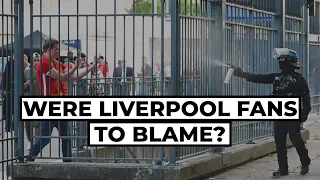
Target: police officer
point(286, 83)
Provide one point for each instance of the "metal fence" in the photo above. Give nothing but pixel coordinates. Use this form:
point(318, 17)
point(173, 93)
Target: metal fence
point(315, 20)
point(168, 48)
point(314, 65)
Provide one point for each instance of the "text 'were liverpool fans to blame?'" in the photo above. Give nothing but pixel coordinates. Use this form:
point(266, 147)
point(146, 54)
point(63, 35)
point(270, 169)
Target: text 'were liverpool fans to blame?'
point(160, 120)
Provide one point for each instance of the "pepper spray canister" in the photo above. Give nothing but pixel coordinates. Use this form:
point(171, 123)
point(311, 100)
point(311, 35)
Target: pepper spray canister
point(228, 76)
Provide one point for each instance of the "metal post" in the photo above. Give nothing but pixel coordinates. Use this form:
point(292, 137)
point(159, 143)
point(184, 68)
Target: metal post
point(252, 58)
point(31, 48)
point(306, 20)
point(175, 65)
point(217, 35)
point(175, 62)
point(18, 78)
point(305, 37)
point(252, 51)
point(281, 22)
point(21, 74)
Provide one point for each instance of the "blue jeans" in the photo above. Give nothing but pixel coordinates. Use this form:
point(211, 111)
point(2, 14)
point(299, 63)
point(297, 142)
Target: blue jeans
point(70, 87)
point(82, 131)
point(82, 90)
point(146, 92)
point(46, 130)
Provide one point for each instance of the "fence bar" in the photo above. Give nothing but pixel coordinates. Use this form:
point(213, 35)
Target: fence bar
point(175, 64)
point(306, 46)
point(281, 22)
point(195, 39)
point(217, 35)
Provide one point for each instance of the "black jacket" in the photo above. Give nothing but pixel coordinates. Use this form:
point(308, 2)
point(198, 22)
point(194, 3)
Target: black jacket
point(298, 88)
point(118, 73)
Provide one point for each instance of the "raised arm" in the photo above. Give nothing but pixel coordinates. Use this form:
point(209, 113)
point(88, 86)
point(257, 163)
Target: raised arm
point(53, 73)
point(80, 73)
point(255, 78)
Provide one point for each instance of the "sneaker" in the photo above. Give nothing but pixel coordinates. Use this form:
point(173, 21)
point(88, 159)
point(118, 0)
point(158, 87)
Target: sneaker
point(29, 158)
point(279, 173)
point(304, 170)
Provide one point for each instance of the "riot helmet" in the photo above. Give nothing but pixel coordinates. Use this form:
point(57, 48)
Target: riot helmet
point(288, 58)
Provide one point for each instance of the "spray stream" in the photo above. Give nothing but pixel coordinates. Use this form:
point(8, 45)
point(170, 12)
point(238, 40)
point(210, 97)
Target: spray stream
point(218, 63)
point(230, 71)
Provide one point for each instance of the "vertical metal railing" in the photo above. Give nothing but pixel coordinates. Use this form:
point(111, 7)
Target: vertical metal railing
point(11, 57)
point(186, 43)
point(119, 44)
point(314, 85)
point(250, 36)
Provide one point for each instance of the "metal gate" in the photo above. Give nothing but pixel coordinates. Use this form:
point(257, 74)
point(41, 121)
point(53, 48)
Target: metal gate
point(170, 47)
point(112, 35)
point(172, 37)
point(11, 62)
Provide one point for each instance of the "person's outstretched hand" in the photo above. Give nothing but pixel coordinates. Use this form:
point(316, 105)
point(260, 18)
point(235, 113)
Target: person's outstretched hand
point(238, 72)
point(304, 117)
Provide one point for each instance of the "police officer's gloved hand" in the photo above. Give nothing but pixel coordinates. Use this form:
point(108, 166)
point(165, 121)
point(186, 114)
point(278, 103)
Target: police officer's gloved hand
point(304, 117)
point(238, 72)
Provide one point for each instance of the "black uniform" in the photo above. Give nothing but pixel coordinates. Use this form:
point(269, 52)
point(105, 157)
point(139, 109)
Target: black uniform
point(286, 84)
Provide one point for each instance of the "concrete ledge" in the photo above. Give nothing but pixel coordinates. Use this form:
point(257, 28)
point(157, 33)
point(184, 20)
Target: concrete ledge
point(192, 168)
point(208, 165)
point(92, 171)
point(106, 154)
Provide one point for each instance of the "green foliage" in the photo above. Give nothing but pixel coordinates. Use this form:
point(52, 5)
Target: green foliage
point(186, 7)
point(141, 7)
point(145, 7)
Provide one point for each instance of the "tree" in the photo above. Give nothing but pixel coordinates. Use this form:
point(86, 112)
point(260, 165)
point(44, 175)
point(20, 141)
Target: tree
point(141, 7)
point(186, 7)
point(145, 7)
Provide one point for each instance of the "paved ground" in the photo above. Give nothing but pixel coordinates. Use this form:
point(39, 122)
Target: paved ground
point(7, 144)
point(263, 168)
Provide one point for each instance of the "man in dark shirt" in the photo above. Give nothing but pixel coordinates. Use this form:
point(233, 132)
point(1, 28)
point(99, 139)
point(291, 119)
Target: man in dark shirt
point(123, 79)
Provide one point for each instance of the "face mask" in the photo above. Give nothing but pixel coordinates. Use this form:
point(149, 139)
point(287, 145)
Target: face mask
point(285, 65)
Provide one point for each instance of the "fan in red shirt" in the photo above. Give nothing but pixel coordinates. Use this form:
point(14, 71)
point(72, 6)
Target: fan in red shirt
point(52, 75)
point(49, 72)
point(103, 67)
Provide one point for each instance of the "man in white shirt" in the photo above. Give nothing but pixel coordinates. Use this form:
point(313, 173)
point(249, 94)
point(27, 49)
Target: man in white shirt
point(81, 85)
point(167, 79)
point(145, 76)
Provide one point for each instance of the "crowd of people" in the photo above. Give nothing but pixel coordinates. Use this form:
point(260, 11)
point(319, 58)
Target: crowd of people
point(48, 76)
